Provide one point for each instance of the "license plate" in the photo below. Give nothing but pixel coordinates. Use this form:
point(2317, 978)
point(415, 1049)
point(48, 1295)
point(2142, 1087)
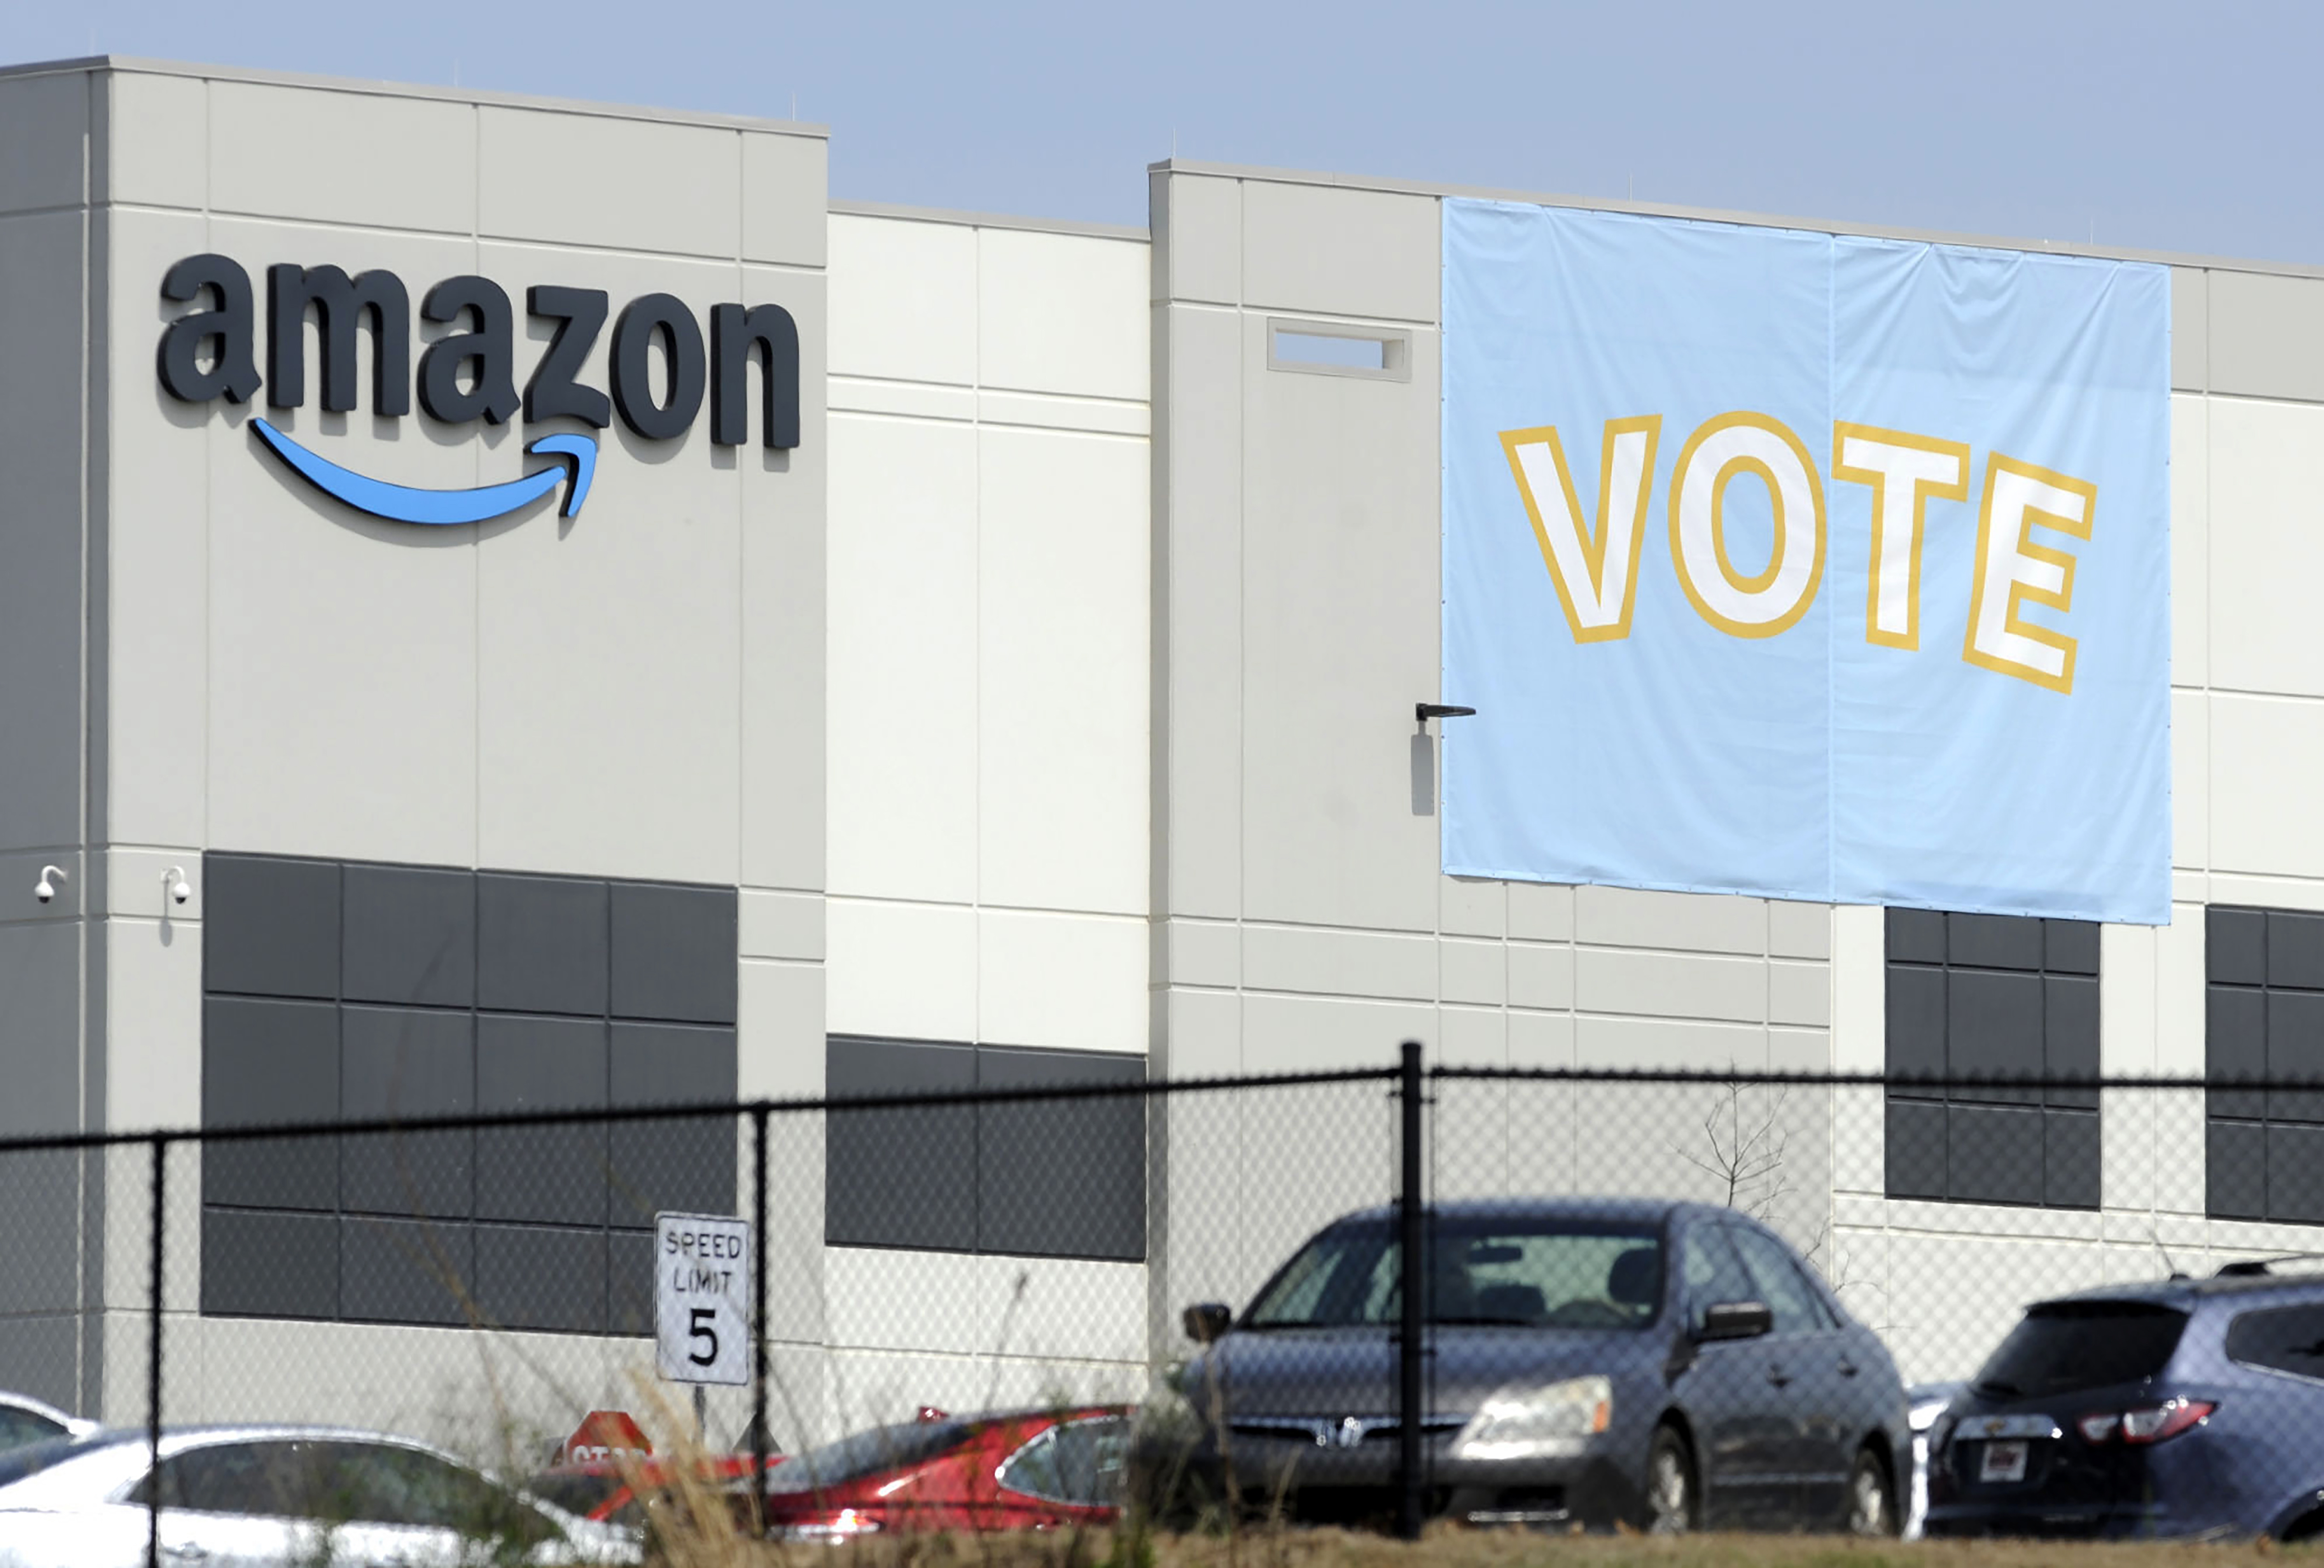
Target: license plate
point(2002, 1462)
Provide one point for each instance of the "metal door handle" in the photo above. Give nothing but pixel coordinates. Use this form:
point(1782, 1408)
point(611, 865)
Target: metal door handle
point(186, 1550)
point(1847, 1369)
point(1777, 1376)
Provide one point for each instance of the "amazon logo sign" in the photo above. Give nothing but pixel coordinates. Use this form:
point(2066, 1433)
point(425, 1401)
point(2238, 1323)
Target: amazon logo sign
point(470, 373)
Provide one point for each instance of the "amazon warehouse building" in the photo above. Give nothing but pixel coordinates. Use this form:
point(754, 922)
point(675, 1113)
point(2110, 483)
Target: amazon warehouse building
point(509, 603)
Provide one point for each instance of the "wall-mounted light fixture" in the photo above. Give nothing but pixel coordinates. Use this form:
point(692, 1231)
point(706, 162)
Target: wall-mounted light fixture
point(174, 879)
point(52, 878)
point(1424, 711)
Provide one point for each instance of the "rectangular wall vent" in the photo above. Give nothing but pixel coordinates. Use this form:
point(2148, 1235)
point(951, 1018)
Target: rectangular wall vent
point(1330, 348)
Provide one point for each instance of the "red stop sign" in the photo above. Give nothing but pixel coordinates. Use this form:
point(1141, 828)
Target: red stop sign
point(606, 1435)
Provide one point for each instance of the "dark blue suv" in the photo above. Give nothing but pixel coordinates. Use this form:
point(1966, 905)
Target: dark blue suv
point(2189, 1407)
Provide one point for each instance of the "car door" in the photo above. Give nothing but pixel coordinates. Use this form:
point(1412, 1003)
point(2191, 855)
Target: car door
point(1741, 1441)
point(1807, 1358)
point(228, 1505)
point(405, 1507)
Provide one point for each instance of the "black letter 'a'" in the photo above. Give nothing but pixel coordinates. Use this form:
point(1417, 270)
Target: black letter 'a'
point(340, 305)
point(580, 314)
point(735, 332)
point(233, 370)
point(492, 393)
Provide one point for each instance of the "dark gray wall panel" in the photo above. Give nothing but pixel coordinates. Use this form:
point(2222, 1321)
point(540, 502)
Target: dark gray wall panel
point(2264, 1019)
point(2000, 1000)
point(404, 1062)
point(1994, 1154)
point(2295, 1053)
point(629, 1281)
point(2236, 1032)
point(270, 927)
point(2295, 949)
point(405, 1272)
point(1916, 936)
point(2235, 946)
point(1916, 1150)
point(270, 1061)
point(684, 1164)
point(408, 934)
point(541, 944)
point(2295, 1174)
point(899, 1178)
point(1916, 1022)
point(555, 1174)
point(2070, 1167)
point(2070, 1036)
point(674, 952)
point(269, 1265)
point(1064, 1177)
point(2235, 1168)
point(2070, 947)
point(38, 1356)
point(1994, 1029)
point(530, 1277)
point(1994, 941)
point(40, 1231)
point(364, 990)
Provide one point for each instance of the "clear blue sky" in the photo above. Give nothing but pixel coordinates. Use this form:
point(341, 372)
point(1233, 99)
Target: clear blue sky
point(2188, 126)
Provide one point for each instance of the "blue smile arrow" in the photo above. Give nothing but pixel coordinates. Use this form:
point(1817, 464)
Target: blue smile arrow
point(404, 503)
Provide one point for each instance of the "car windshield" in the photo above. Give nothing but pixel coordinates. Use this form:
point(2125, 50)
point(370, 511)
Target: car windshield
point(852, 1458)
point(18, 1464)
point(1545, 1272)
point(2063, 1347)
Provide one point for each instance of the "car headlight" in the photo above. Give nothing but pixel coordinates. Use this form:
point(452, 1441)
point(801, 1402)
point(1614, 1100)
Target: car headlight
point(1554, 1418)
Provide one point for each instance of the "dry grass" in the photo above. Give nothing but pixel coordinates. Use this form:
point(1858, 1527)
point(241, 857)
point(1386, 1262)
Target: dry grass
point(1451, 1547)
point(694, 1528)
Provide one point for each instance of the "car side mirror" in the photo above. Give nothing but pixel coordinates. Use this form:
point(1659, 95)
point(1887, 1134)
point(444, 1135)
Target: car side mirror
point(1207, 1320)
point(1736, 1320)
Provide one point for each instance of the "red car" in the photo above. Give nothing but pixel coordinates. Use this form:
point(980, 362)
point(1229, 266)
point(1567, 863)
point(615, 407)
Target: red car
point(1024, 1470)
point(602, 1489)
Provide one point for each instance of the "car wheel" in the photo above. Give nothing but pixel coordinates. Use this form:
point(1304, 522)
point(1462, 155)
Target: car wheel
point(1871, 1501)
point(1673, 1507)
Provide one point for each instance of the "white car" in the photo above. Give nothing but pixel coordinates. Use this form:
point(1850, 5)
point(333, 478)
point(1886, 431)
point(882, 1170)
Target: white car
point(24, 1419)
point(1928, 1401)
point(272, 1497)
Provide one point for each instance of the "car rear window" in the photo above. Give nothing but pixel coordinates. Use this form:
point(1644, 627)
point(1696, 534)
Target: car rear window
point(2289, 1339)
point(2061, 1347)
point(866, 1453)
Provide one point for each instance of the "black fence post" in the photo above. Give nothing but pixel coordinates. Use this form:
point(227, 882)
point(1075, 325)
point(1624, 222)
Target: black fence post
point(759, 1321)
point(154, 1358)
point(1411, 1231)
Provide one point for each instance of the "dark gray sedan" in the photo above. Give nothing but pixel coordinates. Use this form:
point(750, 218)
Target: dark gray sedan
point(1671, 1366)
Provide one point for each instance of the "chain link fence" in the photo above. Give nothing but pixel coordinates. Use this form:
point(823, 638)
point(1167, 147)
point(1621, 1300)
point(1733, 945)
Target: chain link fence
point(1551, 1299)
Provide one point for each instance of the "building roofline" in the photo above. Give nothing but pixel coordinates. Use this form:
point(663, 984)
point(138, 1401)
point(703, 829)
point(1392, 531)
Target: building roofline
point(1722, 215)
point(985, 220)
point(134, 66)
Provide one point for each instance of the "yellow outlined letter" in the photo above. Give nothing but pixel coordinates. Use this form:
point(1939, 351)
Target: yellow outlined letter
point(1596, 572)
point(1903, 472)
point(1776, 599)
point(2012, 569)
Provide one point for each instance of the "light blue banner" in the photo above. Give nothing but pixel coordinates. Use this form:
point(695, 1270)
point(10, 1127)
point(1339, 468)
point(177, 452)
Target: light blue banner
point(1806, 566)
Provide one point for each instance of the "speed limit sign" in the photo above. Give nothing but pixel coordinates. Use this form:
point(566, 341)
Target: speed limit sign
point(702, 1298)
